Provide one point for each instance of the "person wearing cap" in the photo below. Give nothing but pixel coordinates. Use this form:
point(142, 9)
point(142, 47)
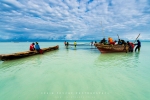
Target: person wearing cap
point(32, 47)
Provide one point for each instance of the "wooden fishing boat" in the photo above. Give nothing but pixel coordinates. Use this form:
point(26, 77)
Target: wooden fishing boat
point(25, 53)
point(111, 48)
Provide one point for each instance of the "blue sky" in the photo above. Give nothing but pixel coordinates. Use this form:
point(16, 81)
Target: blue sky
point(74, 19)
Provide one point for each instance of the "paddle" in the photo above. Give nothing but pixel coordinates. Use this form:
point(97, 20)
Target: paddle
point(137, 38)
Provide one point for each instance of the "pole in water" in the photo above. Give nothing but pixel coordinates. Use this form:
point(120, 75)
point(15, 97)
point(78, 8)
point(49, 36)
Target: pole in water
point(137, 38)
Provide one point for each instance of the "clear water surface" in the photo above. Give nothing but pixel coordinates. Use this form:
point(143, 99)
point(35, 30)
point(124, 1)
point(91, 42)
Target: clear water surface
point(80, 73)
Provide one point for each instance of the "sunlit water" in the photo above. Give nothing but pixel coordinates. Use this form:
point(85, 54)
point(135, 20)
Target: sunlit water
point(80, 73)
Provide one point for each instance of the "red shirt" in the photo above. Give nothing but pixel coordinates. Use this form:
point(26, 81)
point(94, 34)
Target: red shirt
point(32, 47)
point(132, 45)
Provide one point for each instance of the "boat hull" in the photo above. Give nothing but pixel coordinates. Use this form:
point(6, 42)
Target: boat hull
point(26, 53)
point(111, 48)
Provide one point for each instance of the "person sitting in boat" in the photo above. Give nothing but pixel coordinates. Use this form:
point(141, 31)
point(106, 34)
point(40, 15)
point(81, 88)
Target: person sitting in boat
point(123, 42)
point(131, 46)
point(115, 42)
point(103, 41)
point(138, 45)
point(37, 48)
point(110, 41)
point(119, 42)
point(32, 47)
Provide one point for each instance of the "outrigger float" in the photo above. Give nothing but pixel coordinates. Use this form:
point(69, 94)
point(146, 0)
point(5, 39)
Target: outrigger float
point(18, 55)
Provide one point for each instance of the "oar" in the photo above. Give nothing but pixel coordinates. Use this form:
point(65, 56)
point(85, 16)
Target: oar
point(137, 38)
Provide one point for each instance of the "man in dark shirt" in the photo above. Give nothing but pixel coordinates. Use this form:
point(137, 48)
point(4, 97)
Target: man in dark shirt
point(138, 45)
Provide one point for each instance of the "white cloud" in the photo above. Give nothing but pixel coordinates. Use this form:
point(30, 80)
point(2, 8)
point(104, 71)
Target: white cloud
point(14, 2)
point(6, 5)
point(74, 19)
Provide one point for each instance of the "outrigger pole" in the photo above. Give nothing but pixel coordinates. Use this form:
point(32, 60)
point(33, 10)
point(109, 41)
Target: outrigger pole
point(118, 36)
point(102, 30)
point(137, 38)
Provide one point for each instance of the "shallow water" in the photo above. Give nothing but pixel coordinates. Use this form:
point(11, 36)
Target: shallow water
point(80, 73)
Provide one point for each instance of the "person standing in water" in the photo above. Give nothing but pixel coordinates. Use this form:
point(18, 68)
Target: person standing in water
point(131, 46)
point(91, 43)
point(138, 45)
point(75, 43)
point(65, 43)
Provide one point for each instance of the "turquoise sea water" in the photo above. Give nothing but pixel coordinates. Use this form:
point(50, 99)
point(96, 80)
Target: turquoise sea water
point(80, 73)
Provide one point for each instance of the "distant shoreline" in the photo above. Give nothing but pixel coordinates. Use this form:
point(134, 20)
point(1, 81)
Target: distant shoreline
point(66, 40)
